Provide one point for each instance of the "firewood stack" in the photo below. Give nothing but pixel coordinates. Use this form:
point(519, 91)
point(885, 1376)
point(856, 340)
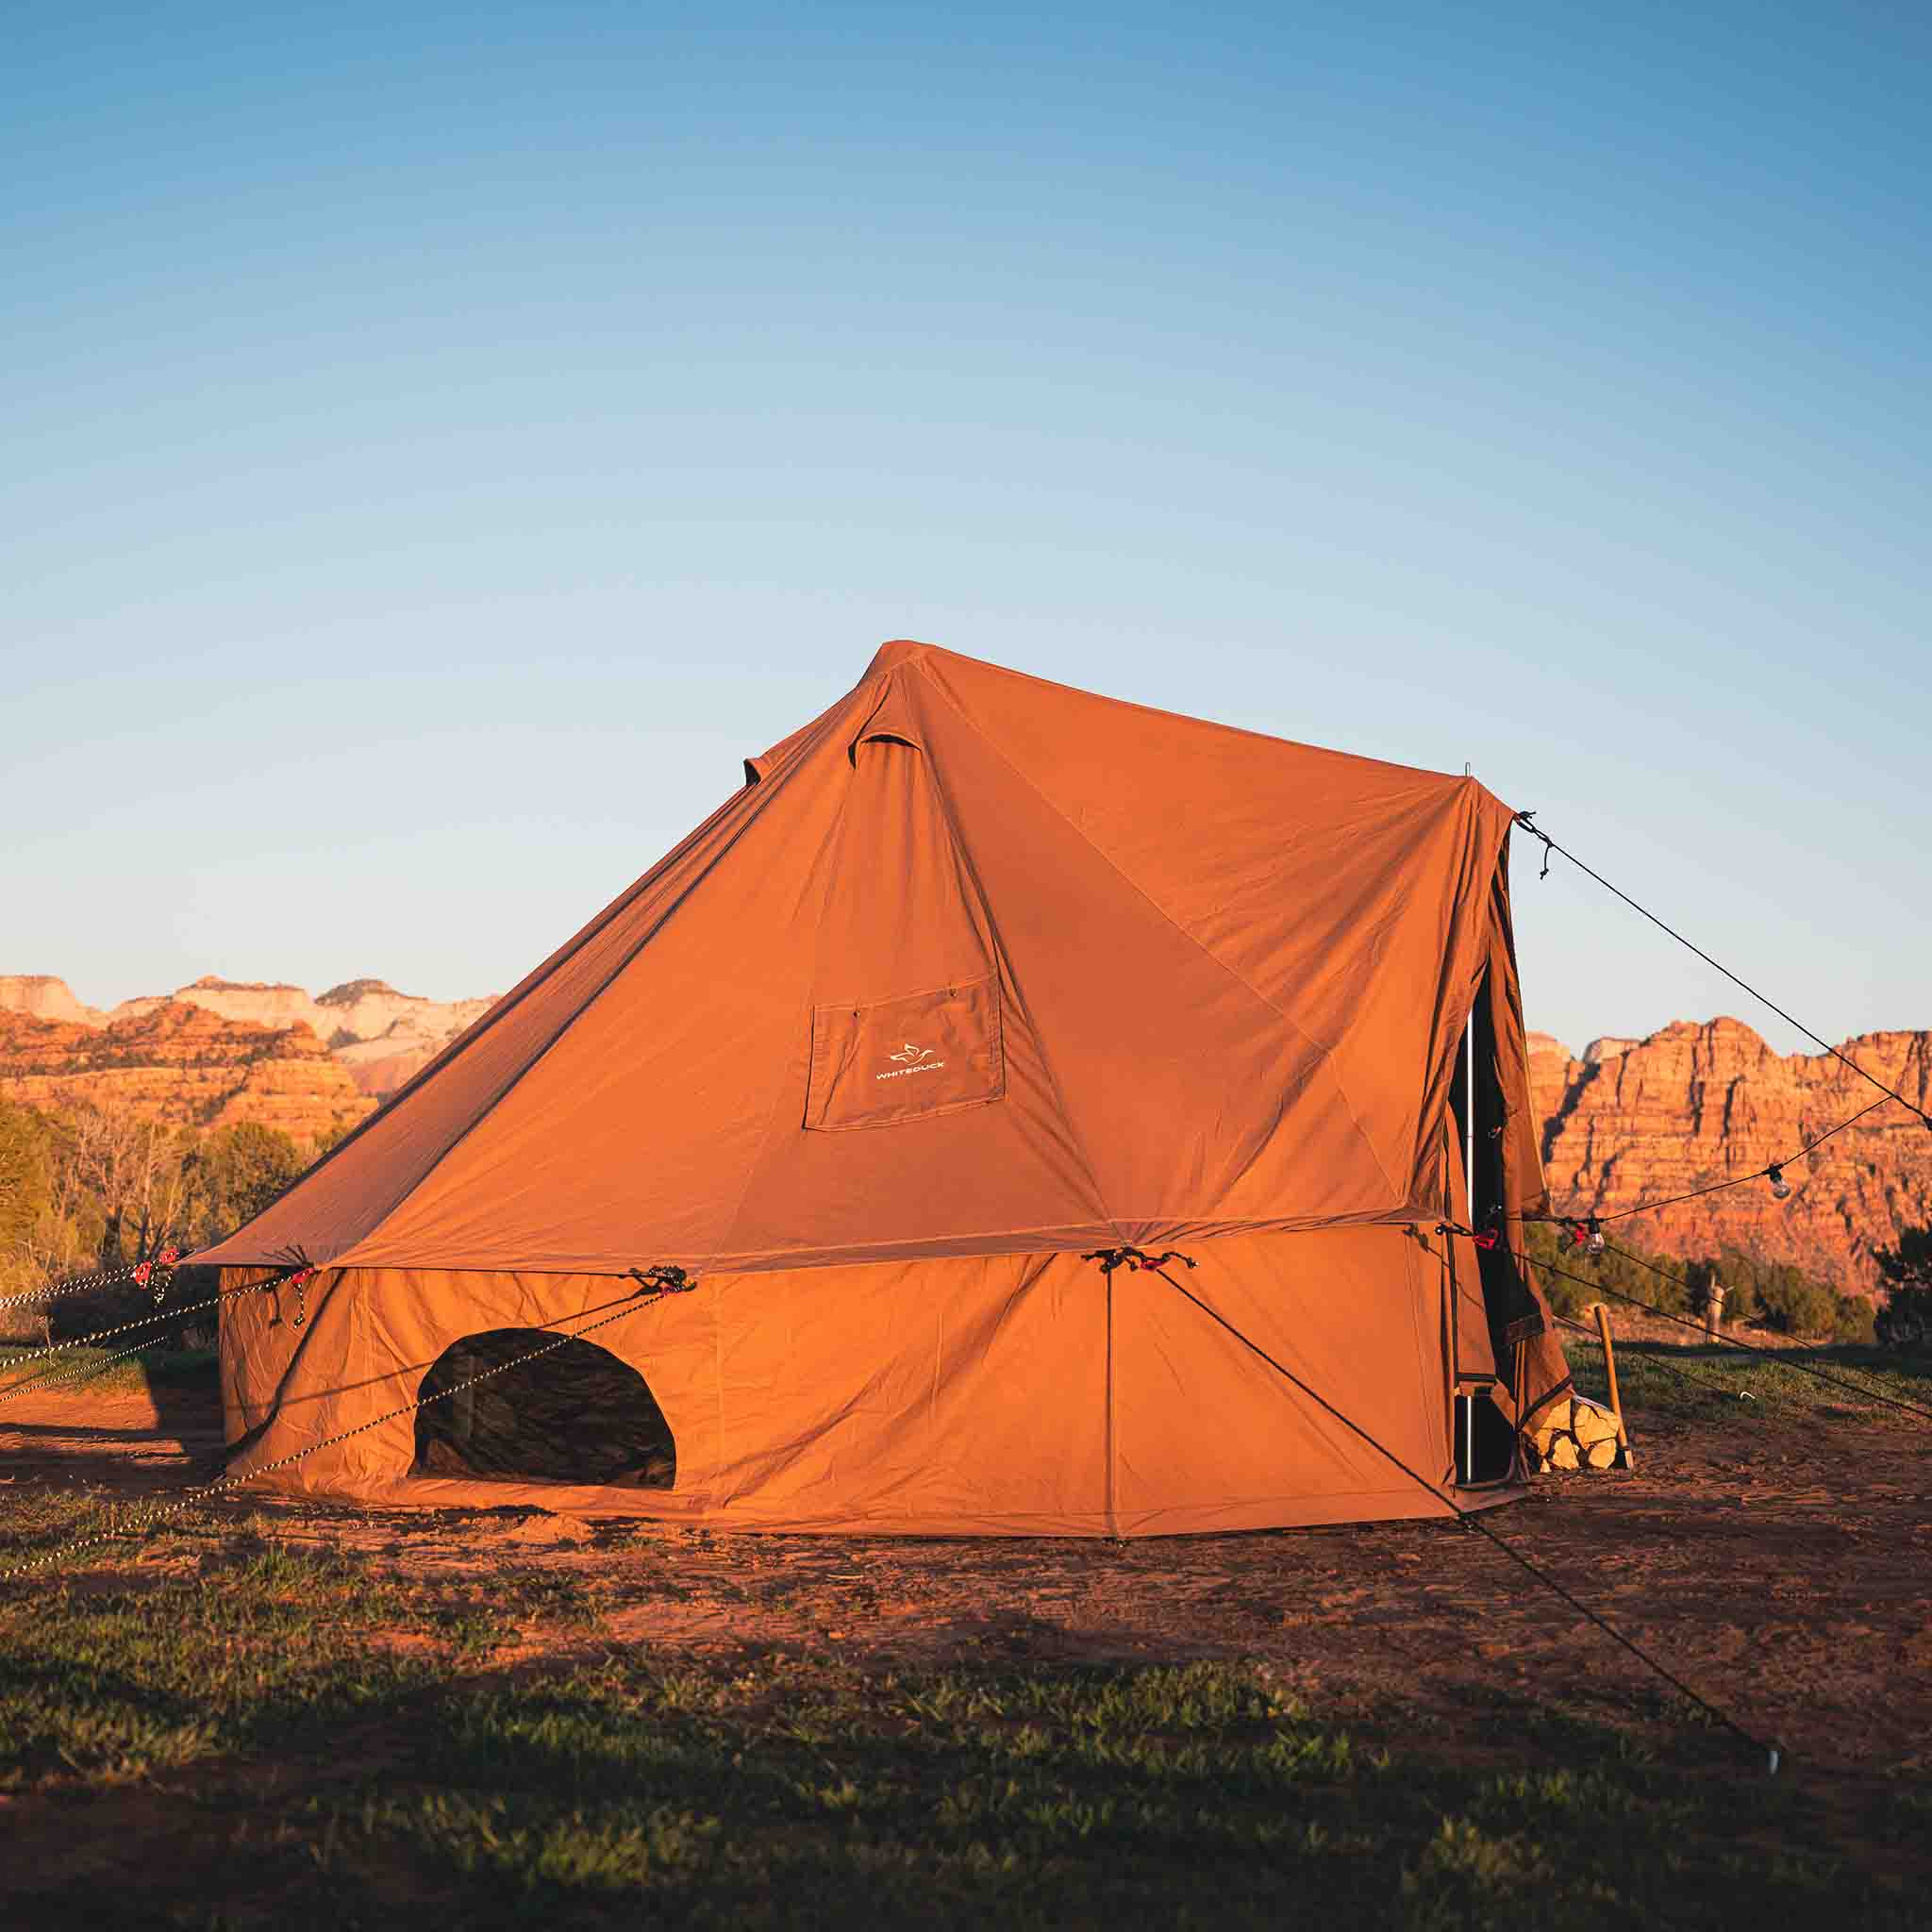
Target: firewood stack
point(1575, 1433)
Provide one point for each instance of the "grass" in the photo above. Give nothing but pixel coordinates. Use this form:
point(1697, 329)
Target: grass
point(235, 1733)
point(216, 1727)
point(97, 1368)
point(1715, 1382)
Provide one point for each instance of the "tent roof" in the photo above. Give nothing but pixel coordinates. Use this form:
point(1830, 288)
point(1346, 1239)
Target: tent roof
point(1157, 979)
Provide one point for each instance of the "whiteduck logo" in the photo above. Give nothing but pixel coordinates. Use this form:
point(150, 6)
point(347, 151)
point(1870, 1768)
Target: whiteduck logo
point(923, 1060)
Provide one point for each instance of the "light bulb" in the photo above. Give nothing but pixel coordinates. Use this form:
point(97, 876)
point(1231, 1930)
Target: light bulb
point(1594, 1245)
point(1780, 1187)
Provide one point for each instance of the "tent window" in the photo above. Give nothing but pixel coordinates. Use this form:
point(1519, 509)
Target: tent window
point(576, 1414)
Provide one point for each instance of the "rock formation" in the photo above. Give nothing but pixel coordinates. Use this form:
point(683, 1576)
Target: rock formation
point(380, 1034)
point(384, 1036)
point(45, 998)
point(182, 1064)
point(1631, 1121)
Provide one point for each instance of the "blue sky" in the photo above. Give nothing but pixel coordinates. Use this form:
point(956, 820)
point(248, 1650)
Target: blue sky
point(442, 442)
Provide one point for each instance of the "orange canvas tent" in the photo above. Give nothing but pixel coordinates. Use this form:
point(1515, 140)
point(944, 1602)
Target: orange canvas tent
point(975, 976)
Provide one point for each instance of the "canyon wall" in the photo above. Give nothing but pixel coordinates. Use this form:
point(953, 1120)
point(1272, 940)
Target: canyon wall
point(380, 1036)
point(1630, 1122)
point(182, 1064)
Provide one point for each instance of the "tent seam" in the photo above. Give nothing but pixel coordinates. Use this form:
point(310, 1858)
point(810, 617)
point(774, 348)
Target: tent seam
point(1175, 1226)
point(1003, 967)
point(1193, 939)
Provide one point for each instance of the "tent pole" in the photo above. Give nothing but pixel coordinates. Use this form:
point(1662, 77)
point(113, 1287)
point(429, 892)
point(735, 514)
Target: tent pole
point(1469, 1112)
point(1469, 1085)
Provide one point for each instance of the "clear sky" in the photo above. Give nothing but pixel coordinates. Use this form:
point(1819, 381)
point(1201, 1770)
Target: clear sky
point(441, 441)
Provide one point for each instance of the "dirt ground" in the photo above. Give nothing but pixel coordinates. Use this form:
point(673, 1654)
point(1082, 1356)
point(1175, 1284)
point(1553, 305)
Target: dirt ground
point(1784, 1569)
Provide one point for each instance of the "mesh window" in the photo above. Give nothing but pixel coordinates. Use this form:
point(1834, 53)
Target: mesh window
point(576, 1414)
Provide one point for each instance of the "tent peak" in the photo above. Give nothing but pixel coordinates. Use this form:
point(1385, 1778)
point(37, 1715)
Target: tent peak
point(897, 651)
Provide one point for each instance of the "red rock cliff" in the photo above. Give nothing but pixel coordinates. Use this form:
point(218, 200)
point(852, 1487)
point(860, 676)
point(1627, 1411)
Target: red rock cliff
point(1632, 1122)
point(182, 1064)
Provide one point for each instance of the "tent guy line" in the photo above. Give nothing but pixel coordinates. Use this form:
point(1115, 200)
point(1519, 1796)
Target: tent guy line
point(37, 1353)
point(1472, 1519)
point(1527, 821)
point(147, 1519)
point(1589, 1335)
point(1783, 1356)
point(84, 1284)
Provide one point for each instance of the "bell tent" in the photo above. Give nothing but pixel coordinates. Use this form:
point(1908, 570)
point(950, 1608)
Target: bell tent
point(979, 991)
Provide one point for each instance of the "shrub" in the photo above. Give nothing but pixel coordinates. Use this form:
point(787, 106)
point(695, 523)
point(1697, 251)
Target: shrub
point(1856, 1321)
point(1775, 1293)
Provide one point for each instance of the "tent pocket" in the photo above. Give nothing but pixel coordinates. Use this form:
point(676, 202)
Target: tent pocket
point(876, 1064)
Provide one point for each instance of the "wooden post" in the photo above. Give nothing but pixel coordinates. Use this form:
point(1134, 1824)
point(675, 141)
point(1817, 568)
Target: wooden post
point(1714, 1309)
point(1603, 1329)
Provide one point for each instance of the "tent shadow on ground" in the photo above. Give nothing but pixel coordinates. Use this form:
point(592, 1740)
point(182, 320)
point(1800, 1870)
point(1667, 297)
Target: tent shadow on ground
point(188, 1403)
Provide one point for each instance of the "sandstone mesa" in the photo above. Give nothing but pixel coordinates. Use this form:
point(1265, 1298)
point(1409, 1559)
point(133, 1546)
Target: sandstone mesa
point(221, 1051)
point(1631, 1121)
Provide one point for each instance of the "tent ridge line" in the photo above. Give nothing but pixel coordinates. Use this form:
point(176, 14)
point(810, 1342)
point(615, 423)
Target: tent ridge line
point(756, 800)
point(1301, 744)
point(1193, 939)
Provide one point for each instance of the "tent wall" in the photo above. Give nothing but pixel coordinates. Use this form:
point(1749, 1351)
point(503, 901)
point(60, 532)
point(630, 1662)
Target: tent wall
point(1009, 1396)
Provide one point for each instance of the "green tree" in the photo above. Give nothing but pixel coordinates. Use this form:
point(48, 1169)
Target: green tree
point(1906, 1321)
point(25, 1192)
point(238, 1171)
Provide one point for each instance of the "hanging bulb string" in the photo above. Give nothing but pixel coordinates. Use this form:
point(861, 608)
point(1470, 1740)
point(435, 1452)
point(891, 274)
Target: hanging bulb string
point(1472, 1519)
point(1782, 1356)
point(1770, 1172)
point(1527, 821)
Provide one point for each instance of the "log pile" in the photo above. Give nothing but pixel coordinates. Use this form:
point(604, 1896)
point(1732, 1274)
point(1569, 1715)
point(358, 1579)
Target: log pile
point(1575, 1433)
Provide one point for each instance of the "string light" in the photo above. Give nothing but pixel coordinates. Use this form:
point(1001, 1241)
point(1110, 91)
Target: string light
point(1780, 1187)
point(1588, 1236)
